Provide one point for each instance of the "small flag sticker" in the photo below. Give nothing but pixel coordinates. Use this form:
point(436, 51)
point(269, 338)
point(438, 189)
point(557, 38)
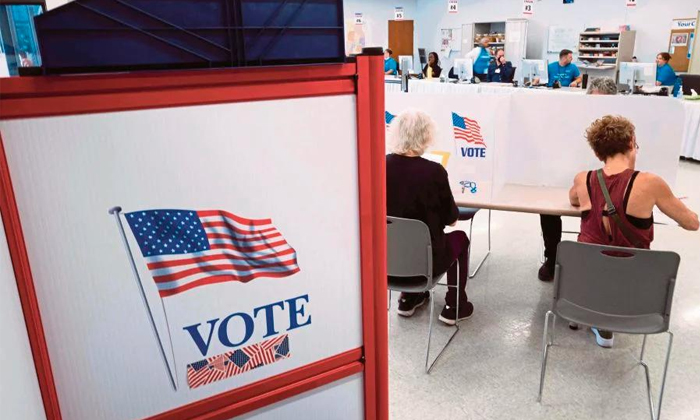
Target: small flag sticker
point(238, 361)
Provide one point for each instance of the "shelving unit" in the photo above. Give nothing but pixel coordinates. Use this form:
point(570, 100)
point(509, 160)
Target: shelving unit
point(510, 35)
point(495, 30)
point(610, 48)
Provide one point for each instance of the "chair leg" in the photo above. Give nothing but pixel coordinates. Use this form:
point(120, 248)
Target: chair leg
point(663, 378)
point(430, 329)
point(656, 414)
point(388, 309)
point(648, 378)
point(547, 341)
point(488, 252)
point(428, 365)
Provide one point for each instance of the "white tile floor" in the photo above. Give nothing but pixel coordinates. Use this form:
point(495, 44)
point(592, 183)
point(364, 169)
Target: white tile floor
point(491, 369)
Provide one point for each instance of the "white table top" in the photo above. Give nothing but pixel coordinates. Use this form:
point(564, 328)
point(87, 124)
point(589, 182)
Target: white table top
point(536, 199)
point(524, 199)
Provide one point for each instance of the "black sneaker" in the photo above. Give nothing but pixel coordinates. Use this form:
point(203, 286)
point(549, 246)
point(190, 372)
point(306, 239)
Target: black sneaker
point(546, 272)
point(408, 302)
point(449, 313)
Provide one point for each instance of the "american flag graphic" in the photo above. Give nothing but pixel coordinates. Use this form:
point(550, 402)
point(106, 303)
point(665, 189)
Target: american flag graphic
point(238, 361)
point(185, 249)
point(388, 118)
point(467, 130)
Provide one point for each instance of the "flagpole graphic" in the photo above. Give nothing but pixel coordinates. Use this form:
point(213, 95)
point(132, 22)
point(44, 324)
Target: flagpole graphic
point(116, 211)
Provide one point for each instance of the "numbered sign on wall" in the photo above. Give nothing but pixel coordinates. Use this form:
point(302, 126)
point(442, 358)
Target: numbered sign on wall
point(631, 3)
point(359, 19)
point(527, 7)
point(453, 6)
point(398, 13)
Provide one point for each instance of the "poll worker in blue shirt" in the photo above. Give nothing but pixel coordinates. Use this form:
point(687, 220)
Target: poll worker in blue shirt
point(665, 76)
point(390, 65)
point(564, 71)
point(500, 70)
point(481, 57)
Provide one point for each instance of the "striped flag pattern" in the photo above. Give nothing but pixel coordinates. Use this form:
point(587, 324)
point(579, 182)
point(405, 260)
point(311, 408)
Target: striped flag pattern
point(185, 249)
point(467, 129)
point(238, 361)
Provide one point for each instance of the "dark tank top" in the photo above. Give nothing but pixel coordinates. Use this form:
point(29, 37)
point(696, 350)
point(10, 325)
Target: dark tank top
point(592, 227)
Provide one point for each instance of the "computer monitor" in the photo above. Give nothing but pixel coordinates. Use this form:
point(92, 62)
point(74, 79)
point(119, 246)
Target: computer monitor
point(534, 69)
point(406, 64)
point(464, 68)
point(422, 56)
point(637, 74)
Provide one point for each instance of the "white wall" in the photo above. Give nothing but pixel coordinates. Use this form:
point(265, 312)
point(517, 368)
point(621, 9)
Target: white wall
point(651, 19)
point(377, 13)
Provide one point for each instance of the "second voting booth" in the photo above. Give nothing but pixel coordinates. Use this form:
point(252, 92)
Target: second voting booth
point(198, 244)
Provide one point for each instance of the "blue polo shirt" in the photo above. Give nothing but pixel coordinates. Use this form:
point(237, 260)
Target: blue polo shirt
point(481, 64)
point(390, 64)
point(666, 75)
point(565, 74)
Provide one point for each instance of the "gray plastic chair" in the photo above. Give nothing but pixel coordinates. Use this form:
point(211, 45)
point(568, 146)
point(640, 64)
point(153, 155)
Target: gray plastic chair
point(410, 268)
point(623, 290)
point(468, 213)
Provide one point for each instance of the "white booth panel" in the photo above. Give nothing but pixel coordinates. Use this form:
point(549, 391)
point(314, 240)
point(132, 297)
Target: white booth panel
point(20, 397)
point(293, 161)
point(341, 400)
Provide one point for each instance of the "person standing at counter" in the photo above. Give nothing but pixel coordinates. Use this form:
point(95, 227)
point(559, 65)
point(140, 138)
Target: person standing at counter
point(391, 67)
point(564, 71)
point(481, 57)
point(500, 70)
point(665, 75)
point(432, 69)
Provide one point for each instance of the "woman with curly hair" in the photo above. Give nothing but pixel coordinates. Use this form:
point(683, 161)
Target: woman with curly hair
point(633, 195)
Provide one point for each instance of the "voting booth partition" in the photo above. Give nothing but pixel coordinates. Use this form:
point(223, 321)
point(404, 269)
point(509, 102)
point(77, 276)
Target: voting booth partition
point(495, 141)
point(199, 244)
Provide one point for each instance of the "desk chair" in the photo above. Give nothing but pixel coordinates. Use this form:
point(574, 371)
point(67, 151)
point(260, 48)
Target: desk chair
point(511, 76)
point(410, 268)
point(468, 213)
point(623, 290)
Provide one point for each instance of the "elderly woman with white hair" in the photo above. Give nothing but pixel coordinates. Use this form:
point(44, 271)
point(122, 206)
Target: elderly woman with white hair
point(419, 189)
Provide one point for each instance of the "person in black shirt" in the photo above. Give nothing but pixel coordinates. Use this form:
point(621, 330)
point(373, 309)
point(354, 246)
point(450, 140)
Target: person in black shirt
point(432, 69)
point(419, 189)
point(500, 70)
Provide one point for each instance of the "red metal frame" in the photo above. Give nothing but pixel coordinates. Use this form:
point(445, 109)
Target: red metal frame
point(71, 95)
point(25, 287)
